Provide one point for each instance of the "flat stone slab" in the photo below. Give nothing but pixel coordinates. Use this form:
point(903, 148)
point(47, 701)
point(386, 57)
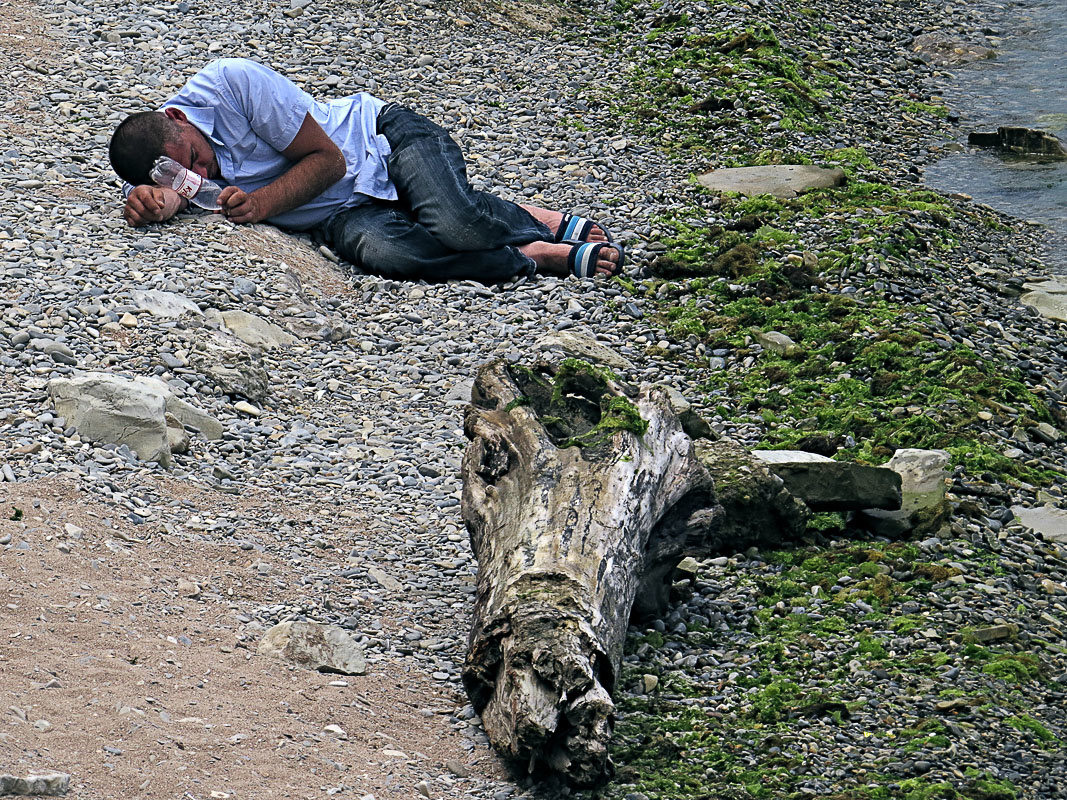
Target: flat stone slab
point(587, 348)
point(1050, 306)
point(1048, 286)
point(827, 485)
point(252, 330)
point(1049, 521)
point(790, 457)
point(164, 304)
point(50, 784)
point(783, 181)
point(994, 633)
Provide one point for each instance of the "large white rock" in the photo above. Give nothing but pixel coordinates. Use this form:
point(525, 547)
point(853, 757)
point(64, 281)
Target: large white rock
point(252, 330)
point(1047, 304)
point(114, 410)
point(326, 648)
point(923, 482)
point(784, 180)
point(164, 304)
point(1048, 520)
point(776, 342)
point(130, 411)
point(922, 477)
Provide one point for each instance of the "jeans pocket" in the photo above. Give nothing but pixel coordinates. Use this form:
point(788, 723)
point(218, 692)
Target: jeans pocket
point(403, 127)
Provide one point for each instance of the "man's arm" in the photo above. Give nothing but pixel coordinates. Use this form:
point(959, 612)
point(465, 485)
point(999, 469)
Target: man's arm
point(317, 165)
point(146, 204)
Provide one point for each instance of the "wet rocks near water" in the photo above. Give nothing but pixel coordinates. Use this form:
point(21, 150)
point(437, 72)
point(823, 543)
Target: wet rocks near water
point(942, 48)
point(1048, 298)
point(1021, 141)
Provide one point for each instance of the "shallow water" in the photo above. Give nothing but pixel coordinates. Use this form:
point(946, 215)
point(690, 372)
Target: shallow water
point(1026, 84)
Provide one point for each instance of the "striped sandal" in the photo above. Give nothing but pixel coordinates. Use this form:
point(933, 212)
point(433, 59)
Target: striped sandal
point(582, 260)
point(573, 228)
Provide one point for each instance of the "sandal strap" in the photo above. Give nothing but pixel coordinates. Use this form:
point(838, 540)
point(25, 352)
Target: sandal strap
point(574, 228)
point(582, 259)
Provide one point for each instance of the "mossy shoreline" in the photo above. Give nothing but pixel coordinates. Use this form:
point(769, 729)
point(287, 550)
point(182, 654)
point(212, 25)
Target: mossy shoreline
point(872, 368)
point(820, 671)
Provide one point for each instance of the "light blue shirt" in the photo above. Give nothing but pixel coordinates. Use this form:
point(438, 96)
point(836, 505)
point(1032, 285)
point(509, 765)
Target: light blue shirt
point(250, 114)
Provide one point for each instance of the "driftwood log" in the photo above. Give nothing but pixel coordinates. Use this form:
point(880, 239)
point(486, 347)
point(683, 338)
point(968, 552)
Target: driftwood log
point(581, 497)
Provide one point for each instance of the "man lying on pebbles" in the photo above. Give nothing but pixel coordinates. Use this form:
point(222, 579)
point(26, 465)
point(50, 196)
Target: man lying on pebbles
point(384, 186)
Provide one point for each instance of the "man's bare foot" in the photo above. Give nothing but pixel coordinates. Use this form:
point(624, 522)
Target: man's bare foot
point(552, 258)
point(552, 219)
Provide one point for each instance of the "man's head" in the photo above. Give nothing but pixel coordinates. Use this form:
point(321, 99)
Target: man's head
point(143, 137)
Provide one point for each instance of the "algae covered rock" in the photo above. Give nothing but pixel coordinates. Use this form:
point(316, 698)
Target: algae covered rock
point(923, 506)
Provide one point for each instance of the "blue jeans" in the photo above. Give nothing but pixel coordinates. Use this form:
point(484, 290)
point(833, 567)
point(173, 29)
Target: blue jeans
point(440, 228)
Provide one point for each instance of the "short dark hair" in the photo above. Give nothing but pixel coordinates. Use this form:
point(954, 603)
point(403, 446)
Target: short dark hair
point(137, 142)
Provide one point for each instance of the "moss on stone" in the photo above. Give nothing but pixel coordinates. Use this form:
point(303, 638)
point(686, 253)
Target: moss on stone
point(1030, 725)
point(575, 404)
point(518, 401)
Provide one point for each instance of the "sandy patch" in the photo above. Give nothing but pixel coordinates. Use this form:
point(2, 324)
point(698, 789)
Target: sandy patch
point(118, 672)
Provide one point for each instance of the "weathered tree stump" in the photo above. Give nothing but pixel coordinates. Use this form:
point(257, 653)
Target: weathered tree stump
point(580, 498)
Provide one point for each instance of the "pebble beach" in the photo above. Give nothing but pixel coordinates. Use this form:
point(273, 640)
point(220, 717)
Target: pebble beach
point(769, 677)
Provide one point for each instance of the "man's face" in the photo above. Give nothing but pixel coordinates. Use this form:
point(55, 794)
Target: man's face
point(193, 151)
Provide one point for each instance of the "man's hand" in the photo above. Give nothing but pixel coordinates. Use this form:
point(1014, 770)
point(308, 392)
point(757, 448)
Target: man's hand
point(239, 206)
point(147, 204)
point(316, 164)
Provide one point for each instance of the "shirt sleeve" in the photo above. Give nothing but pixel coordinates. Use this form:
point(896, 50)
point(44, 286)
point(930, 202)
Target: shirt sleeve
point(274, 106)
